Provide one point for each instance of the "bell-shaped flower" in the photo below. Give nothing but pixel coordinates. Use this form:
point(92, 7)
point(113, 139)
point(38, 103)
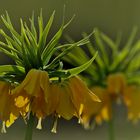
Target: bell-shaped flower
point(132, 101)
point(83, 99)
point(33, 92)
point(8, 111)
point(102, 111)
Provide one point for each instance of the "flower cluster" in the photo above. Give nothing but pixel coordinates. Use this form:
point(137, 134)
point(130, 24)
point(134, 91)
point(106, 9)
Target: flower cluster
point(117, 89)
point(114, 77)
point(37, 85)
point(42, 97)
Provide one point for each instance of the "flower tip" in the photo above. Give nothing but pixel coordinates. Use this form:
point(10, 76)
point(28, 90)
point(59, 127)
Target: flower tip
point(39, 126)
point(54, 129)
point(98, 100)
point(3, 129)
point(86, 126)
point(95, 97)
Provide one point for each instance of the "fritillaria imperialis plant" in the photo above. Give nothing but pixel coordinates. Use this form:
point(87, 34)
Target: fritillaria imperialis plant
point(37, 85)
point(114, 77)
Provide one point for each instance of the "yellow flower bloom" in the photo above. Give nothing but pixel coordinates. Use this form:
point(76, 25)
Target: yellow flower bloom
point(117, 88)
point(4, 101)
point(132, 101)
point(83, 100)
point(8, 111)
point(103, 110)
point(67, 99)
point(116, 83)
point(72, 98)
point(32, 93)
point(64, 106)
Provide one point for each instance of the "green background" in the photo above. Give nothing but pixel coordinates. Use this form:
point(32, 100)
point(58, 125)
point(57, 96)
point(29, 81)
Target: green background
point(111, 16)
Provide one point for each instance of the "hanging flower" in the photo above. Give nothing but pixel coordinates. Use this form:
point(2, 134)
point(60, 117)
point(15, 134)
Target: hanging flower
point(33, 91)
point(83, 100)
point(8, 111)
point(116, 83)
point(103, 111)
point(74, 99)
point(132, 99)
point(38, 75)
point(116, 89)
point(67, 99)
point(114, 78)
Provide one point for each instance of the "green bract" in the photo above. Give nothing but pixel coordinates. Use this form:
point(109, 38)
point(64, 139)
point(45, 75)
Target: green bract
point(112, 58)
point(30, 49)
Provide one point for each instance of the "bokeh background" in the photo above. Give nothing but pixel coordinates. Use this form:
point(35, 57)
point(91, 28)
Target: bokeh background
point(110, 16)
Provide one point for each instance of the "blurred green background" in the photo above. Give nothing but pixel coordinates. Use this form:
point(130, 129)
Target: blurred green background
point(111, 16)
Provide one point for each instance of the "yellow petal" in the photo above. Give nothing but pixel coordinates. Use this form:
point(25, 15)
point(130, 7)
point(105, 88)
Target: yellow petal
point(5, 101)
point(20, 101)
point(36, 81)
point(80, 92)
point(39, 125)
point(11, 120)
point(116, 83)
point(132, 101)
point(33, 92)
point(104, 111)
point(81, 95)
point(65, 107)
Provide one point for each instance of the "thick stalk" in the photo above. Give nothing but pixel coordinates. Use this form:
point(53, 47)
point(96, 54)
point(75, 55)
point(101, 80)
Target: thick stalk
point(29, 128)
point(111, 129)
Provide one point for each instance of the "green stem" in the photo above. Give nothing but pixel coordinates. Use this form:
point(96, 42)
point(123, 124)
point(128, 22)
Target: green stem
point(29, 129)
point(111, 129)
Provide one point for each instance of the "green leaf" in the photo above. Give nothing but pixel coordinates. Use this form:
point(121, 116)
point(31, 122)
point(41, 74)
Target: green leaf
point(134, 65)
point(58, 73)
point(14, 43)
point(11, 68)
point(33, 29)
point(42, 41)
point(92, 51)
point(67, 50)
point(131, 38)
point(77, 70)
point(23, 33)
point(101, 47)
point(124, 52)
point(40, 24)
point(31, 37)
point(8, 24)
point(54, 41)
point(67, 24)
point(51, 45)
point(135, 50)
point(111, 44)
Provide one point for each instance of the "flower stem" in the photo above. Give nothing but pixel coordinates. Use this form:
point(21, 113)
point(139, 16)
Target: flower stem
point(29, 129)
point(111, 129)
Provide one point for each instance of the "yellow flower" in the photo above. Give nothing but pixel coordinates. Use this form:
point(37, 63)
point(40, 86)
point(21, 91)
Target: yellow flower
point(4, 101)
point(72, 98)
point(67, 98)
point(117, 88)
point(102, 111)
point(132, 101)
point(83, 100)
point(8, 111)
point(63, 105)
point(116, 84)
point(32, 93)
